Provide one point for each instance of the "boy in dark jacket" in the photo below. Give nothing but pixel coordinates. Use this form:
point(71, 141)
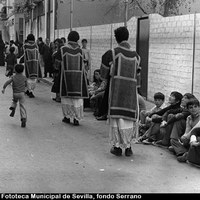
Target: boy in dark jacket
point(157, 118)
point(11, 60)
point(175, 125)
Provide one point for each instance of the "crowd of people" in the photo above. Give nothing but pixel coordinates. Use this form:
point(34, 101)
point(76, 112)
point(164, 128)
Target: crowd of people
point(113, 94)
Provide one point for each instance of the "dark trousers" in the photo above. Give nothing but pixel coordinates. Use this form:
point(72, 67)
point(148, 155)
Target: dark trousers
point(178, 147)
point(177, 131)
point(103, 106)
point(154, 132)
point(194, 155)
point(172, 129)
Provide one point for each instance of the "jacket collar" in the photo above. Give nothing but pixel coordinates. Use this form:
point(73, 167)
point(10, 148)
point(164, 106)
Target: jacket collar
point(124, 44)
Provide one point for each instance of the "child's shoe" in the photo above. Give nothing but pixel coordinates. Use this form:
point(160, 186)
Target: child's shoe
point(23, 123)
point(12, 112)
point(31, 95)
point(11, 108)
point(27, 92)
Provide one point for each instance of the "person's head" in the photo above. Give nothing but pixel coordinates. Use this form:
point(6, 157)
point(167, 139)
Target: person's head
point(96, 76)
point(84, 43)
point(12, 49)
point(159, 99)
point(121, 34)
point(73, 36)
point(40, 40)
point(19, 68)
point(186, 98)
point(193, 106)
point(175, 98)
point(63, 40)
point(47, 41)
point(58, 43)
point(31, 37)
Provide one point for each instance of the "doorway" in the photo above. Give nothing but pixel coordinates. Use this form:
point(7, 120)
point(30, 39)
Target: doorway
point(142, 48)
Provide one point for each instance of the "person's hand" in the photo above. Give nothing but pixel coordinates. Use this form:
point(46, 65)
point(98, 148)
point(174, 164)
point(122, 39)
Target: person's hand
point(92, 97)
point(92, 92)
point(195, 143)
point(148, 119)
point(163, 124)
point(3, 91)
point(178, 115)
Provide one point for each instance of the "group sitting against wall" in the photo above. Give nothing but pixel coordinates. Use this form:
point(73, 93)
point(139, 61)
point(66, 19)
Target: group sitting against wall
point(175, 126)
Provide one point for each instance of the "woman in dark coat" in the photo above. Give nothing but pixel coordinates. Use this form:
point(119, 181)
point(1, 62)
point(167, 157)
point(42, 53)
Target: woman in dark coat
point(2, 52)
point(56, 57)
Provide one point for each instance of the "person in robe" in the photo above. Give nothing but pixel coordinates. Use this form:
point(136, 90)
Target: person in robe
point(73, 81)
point(120, 67)
point(30, 59)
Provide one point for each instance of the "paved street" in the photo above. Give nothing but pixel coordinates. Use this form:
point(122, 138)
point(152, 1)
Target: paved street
point(50, 156)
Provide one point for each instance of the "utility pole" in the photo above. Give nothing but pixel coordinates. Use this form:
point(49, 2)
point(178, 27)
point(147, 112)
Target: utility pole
point(71, 14)
point(126, 13)
point(32, 13)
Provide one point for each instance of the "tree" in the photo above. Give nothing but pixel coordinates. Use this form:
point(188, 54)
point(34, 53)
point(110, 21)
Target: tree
point(162, 7)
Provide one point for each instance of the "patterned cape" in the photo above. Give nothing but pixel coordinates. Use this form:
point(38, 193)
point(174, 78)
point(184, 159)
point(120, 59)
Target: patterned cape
point(73, 81)
point(31, 60)
point(121, 65)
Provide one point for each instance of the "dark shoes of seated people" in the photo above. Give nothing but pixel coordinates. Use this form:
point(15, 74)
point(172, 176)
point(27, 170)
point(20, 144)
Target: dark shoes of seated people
point(66, 120)
point(183, 158)
point(128, 151)
point(23, 123)
point(116, 151)
point(76, 122)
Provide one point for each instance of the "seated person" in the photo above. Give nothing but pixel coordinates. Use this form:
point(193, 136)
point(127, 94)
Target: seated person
point(96, 91)
point(159, 99)
point(156, 118)
point(175, 125)
point(182, 146)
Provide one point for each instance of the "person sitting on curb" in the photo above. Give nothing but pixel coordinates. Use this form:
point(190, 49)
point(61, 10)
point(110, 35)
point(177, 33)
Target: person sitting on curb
point(159, 99)
point(153, 134)
point(176, 123)
point(182, 146)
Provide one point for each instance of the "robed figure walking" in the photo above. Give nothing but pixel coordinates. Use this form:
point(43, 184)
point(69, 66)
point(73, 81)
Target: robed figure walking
point(73, 82)
point(119, 68)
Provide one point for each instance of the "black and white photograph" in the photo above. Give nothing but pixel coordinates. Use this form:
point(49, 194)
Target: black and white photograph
point(100, 99)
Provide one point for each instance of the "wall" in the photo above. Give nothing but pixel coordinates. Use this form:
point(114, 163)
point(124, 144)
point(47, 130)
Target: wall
point(171, 55)
point(197, 58)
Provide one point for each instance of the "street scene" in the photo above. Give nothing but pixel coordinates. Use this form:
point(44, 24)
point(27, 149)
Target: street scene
point(49, 156)
point(100, 96)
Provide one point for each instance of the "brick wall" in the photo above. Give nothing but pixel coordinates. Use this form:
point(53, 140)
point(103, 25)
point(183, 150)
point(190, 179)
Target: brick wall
point(177, 45)
point(170, 54)
point(197, 58)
